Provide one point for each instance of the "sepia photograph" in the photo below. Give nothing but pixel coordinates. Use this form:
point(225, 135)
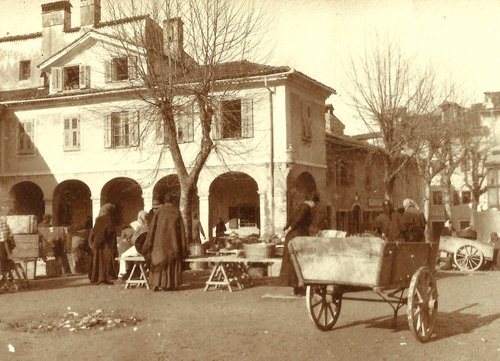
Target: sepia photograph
point(249, 180)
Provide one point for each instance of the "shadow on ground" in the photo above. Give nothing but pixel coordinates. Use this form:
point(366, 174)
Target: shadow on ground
point(448, 324)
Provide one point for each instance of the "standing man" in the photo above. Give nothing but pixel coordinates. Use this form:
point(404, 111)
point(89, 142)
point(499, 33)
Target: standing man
point(413, 221)
point(197, 229)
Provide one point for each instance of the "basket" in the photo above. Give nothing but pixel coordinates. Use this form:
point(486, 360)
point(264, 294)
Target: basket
point(259, 250)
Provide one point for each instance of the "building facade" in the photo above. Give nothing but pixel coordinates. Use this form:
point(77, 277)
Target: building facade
point(77, 134)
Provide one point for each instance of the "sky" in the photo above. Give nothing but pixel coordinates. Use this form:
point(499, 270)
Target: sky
point(318, 37)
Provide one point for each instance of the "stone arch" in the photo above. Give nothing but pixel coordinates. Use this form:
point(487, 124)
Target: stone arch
point(71, 204)
point(126, 195)
point(234, 197)
point(27, 198)
point(167, 185)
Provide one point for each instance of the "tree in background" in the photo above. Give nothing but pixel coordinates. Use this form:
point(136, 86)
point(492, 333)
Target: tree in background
point(387, 87)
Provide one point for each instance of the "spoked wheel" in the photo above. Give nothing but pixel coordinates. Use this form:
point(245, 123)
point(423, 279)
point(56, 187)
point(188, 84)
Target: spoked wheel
point(468, 258)
point(422, 304)
point(323, 305)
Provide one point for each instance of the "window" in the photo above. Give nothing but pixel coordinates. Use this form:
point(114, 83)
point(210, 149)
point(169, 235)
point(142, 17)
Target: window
point(306, 121)
point(72, 133)
point(437, 197)
point(235, 119)
point(243, 216)
point(466, 197)
point(121, 68)
point(24, 69)
point(70, 78)
point(464, 224)
point(25, 136)
point(122, 130)
point(344, 176)
point(456, 198)
point(184, 123)
point(494, 187)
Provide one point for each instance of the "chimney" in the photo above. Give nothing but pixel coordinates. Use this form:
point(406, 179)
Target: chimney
point(173, 38)
point(56, 19)
point(90, 12)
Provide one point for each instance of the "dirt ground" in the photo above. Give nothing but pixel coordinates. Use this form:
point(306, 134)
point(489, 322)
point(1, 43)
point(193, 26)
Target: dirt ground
point(263, 322)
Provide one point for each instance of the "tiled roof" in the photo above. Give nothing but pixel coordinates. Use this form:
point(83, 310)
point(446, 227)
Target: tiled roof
point(23, 94)
point(244, 68)
point(20, 37)
point(75, 29)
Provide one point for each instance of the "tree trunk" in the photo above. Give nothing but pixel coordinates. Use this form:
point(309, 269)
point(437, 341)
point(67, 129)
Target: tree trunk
point(186, 208)
point(427, 210)
point(446, 183)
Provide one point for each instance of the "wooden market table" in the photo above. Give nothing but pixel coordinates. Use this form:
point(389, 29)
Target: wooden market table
point(138, 263)
point(229, 271)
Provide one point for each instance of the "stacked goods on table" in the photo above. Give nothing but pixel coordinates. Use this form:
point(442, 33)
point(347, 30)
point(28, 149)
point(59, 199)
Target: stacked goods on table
point(24, 230)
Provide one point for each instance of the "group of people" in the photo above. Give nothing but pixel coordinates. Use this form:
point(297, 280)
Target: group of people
point(158, 236)
point(407, 224)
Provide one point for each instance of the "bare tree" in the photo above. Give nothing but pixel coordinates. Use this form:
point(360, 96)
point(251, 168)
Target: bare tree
point(389, 86)
point(177, 69)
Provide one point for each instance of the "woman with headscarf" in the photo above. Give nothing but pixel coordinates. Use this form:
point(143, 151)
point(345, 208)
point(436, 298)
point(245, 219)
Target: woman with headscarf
point(413, 222)
point(165, 246)
point(140, 227)
point(298, 226)
point(102, 241)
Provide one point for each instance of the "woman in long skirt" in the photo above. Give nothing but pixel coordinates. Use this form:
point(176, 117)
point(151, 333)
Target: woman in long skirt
point(298, 226)
point(166, 245)
point(102, 241)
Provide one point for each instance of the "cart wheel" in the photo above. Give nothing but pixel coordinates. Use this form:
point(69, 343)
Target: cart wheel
point(324, 307)
point(422, 304)
point(468, 258)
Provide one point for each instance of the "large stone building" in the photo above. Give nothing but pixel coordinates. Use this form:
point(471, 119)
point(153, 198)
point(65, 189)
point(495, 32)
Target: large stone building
point(75, 135)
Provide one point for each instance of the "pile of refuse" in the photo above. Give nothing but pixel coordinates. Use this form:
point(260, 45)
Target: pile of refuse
point(75, 322)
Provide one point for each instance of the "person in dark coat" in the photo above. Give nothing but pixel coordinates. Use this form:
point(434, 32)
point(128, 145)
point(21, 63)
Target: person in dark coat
point(102, 241)
point(413, 221)
point(298, 226)
point(389, 224)
point(166, 246)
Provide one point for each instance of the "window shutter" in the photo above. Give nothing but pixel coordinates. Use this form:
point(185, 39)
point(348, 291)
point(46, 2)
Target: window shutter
point(108, 76)
point(134, 130)
point(160, 131)
point(107, 132)
point(132, 67)
point(247, 118)
point(76, 131)
point(216, 120)
point(84, 76)
point(67, 133)
point(56, 77)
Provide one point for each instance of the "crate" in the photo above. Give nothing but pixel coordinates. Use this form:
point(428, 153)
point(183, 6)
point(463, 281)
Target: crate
point(22, 224)
point(259, 250)
point(273, 270)
point(26, 246)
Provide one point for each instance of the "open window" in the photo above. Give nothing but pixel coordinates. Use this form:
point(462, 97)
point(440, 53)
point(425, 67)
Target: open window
point(69, 78)
point(234, 119)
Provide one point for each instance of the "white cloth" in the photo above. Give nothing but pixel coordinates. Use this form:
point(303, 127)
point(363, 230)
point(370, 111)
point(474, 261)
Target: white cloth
point(131, 252)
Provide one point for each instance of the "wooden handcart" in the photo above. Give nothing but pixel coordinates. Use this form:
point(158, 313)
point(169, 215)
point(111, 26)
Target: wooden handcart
point(332, 267)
